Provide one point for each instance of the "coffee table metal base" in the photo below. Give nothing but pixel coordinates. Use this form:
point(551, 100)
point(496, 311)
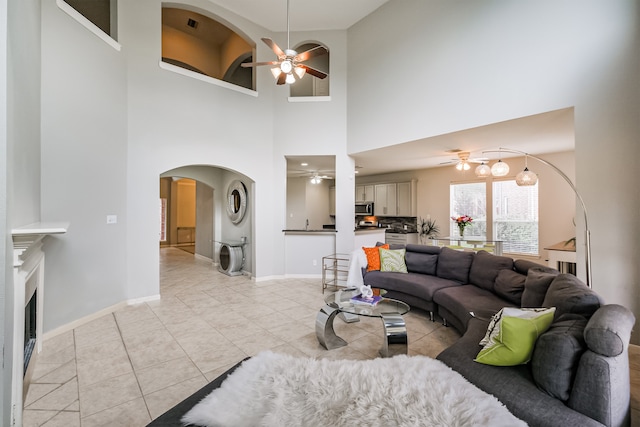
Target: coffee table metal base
point(324, 328)
point(395, 332)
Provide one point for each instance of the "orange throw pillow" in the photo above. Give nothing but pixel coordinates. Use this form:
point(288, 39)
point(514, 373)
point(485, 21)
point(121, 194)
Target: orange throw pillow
point(373, 256)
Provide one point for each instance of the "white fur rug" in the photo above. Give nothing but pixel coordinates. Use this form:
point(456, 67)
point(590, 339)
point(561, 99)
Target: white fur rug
point(279, 390)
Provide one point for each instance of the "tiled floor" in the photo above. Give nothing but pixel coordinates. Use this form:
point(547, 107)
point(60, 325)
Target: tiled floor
point(129, 367)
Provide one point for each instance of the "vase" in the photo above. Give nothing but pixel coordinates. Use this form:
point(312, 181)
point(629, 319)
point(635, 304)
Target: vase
point(461, 228)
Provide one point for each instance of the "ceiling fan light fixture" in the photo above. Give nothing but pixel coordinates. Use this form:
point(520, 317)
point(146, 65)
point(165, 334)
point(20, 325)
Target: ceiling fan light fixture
point(462, 165)
point(286, 66)
point(300, 71)
point(276, 71)
point(483, 171)
point(499, 168)
point(316, 180)
point(290, 79)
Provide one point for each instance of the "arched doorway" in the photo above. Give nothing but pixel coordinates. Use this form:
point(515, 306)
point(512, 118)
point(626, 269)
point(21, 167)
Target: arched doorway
point(194, 212)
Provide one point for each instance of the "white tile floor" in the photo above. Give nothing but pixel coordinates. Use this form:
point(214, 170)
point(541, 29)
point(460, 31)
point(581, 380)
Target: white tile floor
point(129, 367)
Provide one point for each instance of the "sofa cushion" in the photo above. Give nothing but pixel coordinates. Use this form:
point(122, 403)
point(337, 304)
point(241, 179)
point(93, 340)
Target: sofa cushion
point(373, 256)
point(460, 301)
point(419, 285)
point(454, 265)
point(517, 332)
point(555, 358)
point(485, 267)
point(421, 263)
point(568, 294)
point(392, 260)
point(510, 285)
point(522, 266)
point(536, 285)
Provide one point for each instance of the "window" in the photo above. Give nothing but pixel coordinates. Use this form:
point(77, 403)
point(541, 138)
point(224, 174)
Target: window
point(203, 45)
point(509, 213)
point(515, 216)
point(101, 13)
point(471, 200)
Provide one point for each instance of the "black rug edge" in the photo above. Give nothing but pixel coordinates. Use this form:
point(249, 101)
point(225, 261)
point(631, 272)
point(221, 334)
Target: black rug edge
point(172, 417)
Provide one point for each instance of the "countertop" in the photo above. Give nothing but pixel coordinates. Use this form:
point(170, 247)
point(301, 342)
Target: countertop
point(399, 231)
point(302, 230)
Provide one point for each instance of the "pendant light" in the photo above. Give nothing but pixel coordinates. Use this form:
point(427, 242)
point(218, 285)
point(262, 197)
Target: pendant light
point(526, 177)
point(483, 171)
point(499, 168)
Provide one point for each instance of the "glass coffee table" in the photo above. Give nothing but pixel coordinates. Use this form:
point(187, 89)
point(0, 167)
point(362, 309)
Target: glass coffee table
point(389, 310)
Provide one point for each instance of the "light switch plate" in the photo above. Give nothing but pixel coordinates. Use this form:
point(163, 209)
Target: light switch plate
point(112, 219)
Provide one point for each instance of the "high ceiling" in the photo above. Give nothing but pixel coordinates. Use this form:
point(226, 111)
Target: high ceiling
point(542, 133)
point(304, 15)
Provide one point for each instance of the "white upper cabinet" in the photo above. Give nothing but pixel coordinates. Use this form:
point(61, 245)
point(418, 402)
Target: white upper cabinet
point(365, 193)
point(386, 203)
point(405, 203)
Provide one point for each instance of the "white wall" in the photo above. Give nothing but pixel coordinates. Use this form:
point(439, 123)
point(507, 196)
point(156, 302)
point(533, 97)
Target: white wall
point(20, 49)
point(475, 63)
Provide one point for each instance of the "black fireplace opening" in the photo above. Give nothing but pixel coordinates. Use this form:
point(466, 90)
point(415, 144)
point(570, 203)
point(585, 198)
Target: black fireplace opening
point(30, 315)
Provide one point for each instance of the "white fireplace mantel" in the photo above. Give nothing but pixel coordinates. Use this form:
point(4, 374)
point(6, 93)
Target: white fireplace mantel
point(28, 277)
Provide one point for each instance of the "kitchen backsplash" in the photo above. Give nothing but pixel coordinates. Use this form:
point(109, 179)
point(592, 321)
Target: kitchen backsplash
point(393, 222)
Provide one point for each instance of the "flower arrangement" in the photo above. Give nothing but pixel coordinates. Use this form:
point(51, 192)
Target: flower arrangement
point(462, 221)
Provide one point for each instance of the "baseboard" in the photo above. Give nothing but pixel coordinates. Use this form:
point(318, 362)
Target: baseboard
point(303, 276)
point(267, 278)
point(84, 320)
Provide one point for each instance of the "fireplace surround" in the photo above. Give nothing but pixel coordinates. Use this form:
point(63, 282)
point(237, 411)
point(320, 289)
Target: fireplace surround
point(28, 303)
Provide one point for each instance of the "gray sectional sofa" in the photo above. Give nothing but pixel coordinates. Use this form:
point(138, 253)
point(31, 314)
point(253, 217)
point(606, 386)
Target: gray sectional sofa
point(578, 374)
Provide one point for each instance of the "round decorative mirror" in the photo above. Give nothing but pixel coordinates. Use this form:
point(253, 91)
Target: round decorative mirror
point(236, 201)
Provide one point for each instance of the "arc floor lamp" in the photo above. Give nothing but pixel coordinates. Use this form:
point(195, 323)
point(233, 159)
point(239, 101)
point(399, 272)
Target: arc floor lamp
point(526, 177)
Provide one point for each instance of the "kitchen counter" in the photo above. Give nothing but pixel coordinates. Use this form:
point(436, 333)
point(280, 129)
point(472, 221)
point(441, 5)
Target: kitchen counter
point(401, 231)
point(319, 231)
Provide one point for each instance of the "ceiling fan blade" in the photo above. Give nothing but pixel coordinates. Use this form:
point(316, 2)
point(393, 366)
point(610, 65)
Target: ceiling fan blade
point(315, 73)
point(314, 51)
point(257, 64)
point(274, 47)
point(282, 79)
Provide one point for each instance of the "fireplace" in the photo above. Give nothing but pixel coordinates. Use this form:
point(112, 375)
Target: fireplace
point(28, 294)
point(30, 329)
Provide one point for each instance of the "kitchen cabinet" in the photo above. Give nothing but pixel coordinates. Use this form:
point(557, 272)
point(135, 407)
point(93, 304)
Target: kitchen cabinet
point(385, 203)
point(365, 193)
point(405, 203)
point(332, 200)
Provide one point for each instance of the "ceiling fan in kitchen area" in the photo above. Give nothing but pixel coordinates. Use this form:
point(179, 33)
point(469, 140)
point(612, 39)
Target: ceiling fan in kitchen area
point(316, 177)
point(463, 162)
point(289, 65)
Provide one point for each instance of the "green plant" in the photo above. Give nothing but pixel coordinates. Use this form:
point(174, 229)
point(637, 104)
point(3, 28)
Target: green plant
point(427, 228)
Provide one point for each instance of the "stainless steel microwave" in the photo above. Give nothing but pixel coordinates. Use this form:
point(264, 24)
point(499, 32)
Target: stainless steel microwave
point(364, 208)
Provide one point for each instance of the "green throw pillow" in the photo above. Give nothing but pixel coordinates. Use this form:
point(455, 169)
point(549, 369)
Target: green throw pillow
point(514, 336)
point(393, 260)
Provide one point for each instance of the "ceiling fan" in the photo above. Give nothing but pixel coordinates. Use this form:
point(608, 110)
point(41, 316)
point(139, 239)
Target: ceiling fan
point(316, 177)
point(290, 63)
point(463, 161)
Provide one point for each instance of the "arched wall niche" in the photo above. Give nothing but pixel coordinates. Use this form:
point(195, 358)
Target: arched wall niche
point(202, 42)
point(309, 85)
point(218, 226)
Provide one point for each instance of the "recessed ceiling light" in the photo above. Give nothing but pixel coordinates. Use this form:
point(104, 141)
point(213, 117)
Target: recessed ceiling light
point(304, 164)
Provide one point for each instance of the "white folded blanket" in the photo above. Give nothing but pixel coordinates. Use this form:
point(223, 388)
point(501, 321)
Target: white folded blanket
point(357, 263)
